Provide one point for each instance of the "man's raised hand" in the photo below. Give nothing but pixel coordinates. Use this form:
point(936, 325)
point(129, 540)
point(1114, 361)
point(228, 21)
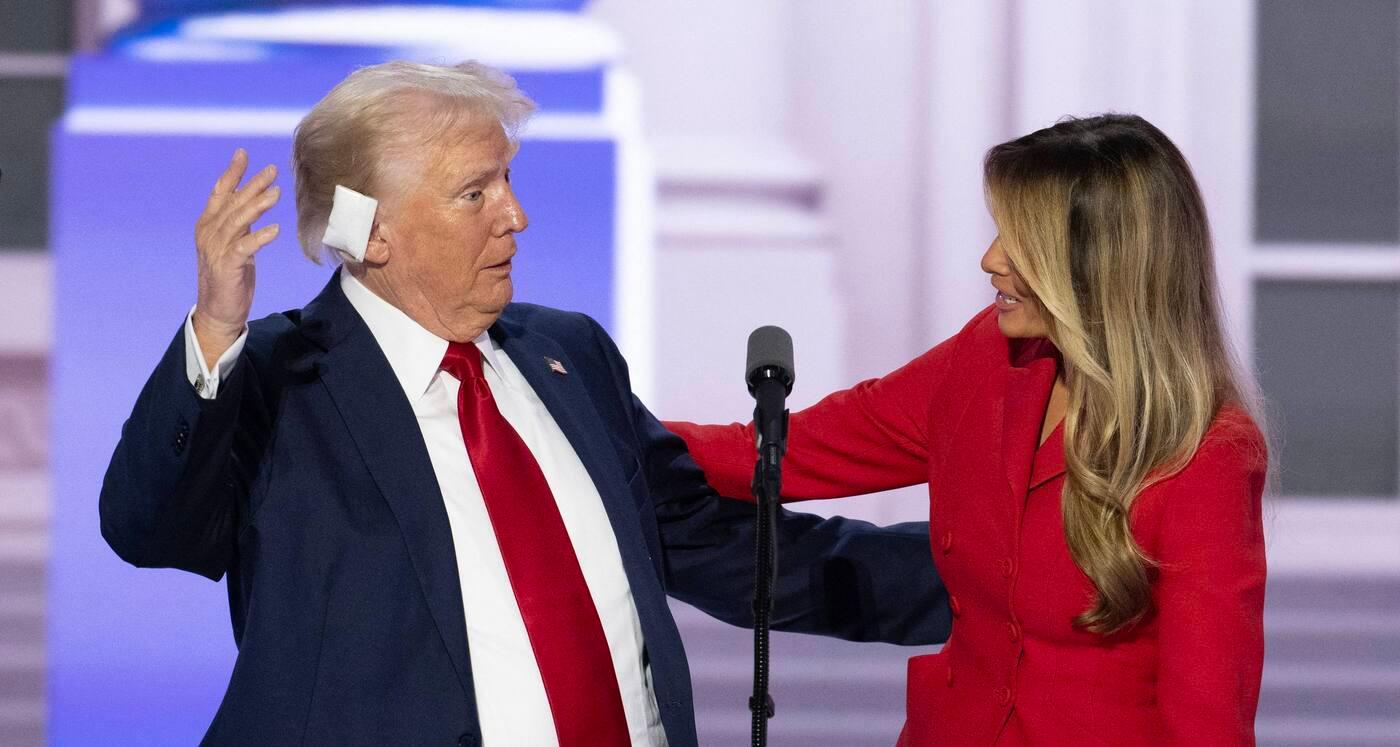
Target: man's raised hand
point(226, 246)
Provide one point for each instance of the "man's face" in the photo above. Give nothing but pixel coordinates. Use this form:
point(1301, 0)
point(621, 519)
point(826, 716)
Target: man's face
point(451, 234)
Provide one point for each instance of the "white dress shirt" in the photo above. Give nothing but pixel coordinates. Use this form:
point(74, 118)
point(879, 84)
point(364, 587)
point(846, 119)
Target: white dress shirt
point(510, 698)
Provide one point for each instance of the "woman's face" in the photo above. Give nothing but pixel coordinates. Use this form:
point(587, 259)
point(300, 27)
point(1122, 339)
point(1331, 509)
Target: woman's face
point(1019, 313)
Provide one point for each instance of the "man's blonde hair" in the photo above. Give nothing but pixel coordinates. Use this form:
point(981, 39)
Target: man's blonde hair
point(379, 118)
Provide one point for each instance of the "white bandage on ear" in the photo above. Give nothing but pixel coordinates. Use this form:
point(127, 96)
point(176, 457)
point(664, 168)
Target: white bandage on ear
point(352, 219)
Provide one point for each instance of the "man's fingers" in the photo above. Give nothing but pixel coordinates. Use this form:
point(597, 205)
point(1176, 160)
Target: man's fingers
point(250, 244)
point(230, 178)
point(257, 183)
point(239, 218)
point(253, 192)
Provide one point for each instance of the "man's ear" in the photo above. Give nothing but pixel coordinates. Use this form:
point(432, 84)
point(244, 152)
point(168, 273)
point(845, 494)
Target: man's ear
point(380, 244)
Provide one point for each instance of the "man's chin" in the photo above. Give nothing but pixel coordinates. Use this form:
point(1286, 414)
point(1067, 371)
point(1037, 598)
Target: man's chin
point(494, 302)
point(504, 292)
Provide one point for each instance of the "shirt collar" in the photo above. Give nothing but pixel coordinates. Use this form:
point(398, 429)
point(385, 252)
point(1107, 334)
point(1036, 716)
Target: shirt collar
point(413, 352)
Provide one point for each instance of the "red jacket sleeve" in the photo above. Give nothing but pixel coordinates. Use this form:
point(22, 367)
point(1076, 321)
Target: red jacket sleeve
point(865, 439)
point(1210, 592)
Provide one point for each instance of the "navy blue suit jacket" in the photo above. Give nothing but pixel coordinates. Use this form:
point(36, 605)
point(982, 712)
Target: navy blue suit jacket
point(307, 482)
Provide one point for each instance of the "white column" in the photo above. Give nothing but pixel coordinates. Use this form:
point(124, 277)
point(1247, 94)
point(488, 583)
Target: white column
point(1222, 151)
point(714, 69)
point(968, 110)
point(857, 113)
point(1186, 66)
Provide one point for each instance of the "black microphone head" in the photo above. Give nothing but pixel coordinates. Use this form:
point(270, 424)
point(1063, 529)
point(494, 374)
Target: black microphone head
point(770, 355)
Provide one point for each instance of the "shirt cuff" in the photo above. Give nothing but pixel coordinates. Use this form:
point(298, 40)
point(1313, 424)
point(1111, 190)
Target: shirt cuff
point(204, 380)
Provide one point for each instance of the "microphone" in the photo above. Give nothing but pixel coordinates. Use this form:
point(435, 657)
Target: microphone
point(770, 374)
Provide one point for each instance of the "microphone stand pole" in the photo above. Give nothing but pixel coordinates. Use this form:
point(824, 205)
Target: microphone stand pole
point(767, 486)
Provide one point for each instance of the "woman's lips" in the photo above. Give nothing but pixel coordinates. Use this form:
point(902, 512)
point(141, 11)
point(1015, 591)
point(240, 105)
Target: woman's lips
point(1007, 303)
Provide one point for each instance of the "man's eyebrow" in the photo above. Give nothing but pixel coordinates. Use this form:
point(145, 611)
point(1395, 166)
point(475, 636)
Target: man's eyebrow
point(475, 176)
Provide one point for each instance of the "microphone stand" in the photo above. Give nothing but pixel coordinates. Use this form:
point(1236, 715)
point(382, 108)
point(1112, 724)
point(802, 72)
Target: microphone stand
point(767, 486)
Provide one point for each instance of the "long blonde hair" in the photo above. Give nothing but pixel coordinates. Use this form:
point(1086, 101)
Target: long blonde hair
point(1103, 221)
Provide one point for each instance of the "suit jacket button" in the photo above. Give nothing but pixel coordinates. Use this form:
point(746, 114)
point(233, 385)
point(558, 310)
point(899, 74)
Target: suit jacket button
point(1008, 566)
point(947, 542)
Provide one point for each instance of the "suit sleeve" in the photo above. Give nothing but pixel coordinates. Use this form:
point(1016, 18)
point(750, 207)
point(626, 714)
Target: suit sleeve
point(865, 439)
point(172, 493)
point(836, 577)
point(1210, 594)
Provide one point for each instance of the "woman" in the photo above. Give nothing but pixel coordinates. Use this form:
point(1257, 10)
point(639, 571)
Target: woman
point(1094, 476)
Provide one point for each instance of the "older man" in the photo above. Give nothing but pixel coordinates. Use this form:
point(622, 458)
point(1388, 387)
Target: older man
point(444, 517)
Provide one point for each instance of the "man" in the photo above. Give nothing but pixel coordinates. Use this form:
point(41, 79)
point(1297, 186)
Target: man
point(444, 517)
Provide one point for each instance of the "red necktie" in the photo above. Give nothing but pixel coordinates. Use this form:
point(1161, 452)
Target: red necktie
point(560, 619)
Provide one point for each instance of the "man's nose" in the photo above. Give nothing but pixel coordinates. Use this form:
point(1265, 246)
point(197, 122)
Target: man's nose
point(514, 219)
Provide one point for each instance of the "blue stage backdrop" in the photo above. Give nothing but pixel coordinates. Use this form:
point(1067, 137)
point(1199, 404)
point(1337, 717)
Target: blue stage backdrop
point(143, 656)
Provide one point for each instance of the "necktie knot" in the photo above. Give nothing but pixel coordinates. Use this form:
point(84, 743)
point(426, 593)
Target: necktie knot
point(463, 360)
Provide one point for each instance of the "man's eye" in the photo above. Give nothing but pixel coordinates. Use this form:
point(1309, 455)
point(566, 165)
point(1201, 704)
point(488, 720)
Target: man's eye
point(473, 196)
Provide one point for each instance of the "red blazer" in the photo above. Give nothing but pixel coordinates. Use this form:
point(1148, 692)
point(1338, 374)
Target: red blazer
point(965, 417)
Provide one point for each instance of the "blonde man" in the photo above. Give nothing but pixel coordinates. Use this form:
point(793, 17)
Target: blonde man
point(444, 517)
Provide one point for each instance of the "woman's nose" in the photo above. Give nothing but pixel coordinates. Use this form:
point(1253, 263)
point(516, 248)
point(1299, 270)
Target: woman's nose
point(994, 260)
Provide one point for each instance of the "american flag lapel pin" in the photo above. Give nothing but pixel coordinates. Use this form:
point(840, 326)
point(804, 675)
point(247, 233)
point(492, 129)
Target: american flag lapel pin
point(555, 366)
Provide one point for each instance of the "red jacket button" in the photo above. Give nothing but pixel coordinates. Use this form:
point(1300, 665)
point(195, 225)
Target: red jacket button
point(947, 542)
point(1007, 567)
point(1003, 695)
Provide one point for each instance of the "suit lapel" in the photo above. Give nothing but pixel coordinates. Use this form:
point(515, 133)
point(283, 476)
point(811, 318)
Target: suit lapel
point(567, 399)
point(1029, 381)
point(380, 420)
point(1049, 459)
